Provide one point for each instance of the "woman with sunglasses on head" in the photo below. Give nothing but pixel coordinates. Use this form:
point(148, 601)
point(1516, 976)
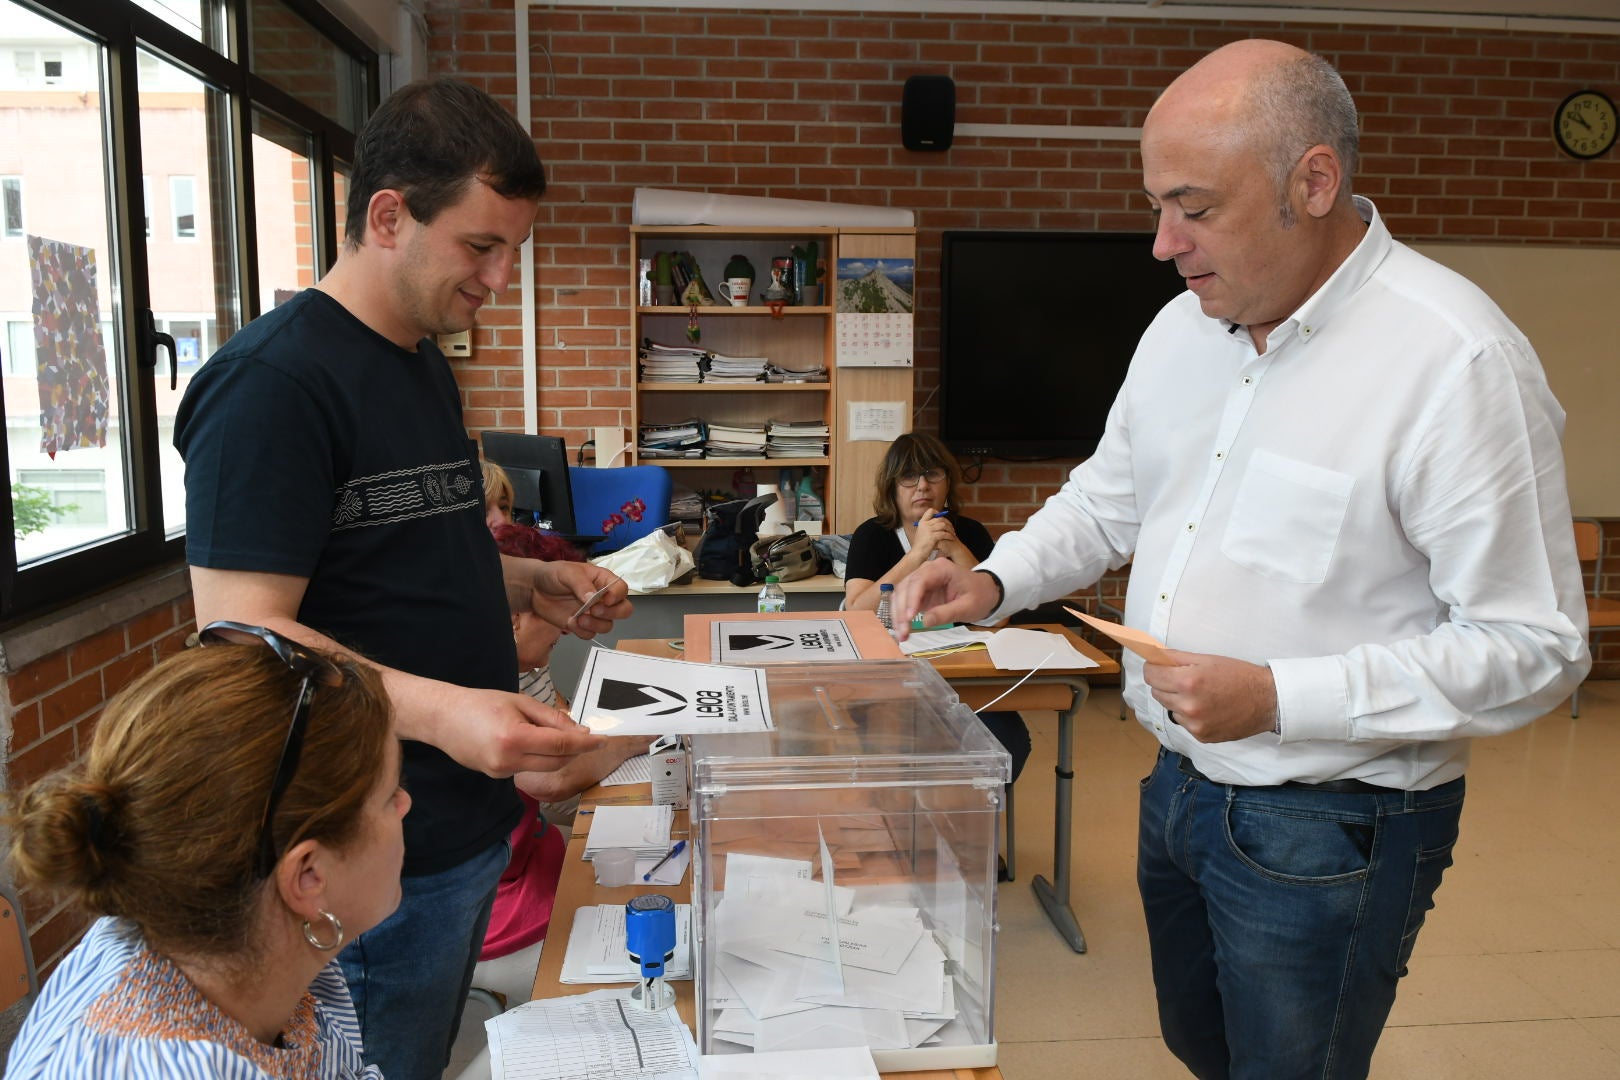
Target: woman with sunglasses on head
point(917, 520)
point(235, 821)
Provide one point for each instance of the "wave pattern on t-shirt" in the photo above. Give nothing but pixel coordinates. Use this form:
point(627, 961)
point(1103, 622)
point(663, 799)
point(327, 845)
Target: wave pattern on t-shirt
point(403, 494)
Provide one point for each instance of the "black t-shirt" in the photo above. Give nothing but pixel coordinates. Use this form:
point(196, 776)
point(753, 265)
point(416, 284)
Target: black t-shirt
point(316, 447)
point(874, 550)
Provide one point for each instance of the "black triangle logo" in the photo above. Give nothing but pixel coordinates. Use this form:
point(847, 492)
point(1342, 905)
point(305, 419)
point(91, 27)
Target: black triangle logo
point(761, 642)
point(639, 699)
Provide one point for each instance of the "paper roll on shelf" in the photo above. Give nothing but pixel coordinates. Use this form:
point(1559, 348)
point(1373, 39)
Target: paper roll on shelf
point(660, 206)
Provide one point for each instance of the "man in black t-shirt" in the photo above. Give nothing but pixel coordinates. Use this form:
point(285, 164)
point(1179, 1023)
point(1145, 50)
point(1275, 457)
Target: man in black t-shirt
point(330, 496)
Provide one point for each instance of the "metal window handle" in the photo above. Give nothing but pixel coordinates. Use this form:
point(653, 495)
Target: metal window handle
point(151, 338)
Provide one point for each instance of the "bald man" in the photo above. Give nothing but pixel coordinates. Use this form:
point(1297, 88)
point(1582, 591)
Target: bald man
point(1337, 467)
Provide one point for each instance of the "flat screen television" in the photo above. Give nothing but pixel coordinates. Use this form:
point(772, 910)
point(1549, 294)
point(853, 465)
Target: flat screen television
point(1036, 331)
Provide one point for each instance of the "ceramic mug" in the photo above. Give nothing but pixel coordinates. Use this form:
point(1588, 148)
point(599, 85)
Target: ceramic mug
point(735, 290)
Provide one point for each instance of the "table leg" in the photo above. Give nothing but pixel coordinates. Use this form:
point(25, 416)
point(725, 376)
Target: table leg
point(1054, 895)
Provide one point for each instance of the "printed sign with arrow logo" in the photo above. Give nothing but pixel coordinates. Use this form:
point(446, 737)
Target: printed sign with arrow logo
point(782, 640)
point(625, 694)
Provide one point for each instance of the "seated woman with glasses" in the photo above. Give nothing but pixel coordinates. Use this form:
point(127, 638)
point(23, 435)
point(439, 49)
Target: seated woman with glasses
point(235, 820)
point(918, 519)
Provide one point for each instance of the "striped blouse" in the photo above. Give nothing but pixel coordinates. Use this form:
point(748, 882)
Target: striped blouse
point(115, 1008)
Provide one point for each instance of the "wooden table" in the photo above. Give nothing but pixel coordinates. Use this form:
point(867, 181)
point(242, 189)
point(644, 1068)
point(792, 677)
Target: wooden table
point(577, 888)
point(977, 682)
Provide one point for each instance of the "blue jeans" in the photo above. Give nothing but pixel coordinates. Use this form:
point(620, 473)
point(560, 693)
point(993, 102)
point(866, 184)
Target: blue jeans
point(409, 974)
point(1280, 919)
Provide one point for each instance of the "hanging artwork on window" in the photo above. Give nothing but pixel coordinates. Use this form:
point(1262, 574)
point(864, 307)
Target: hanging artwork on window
point(73, 389)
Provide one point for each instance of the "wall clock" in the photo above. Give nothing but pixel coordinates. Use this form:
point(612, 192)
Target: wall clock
point(1584, 125)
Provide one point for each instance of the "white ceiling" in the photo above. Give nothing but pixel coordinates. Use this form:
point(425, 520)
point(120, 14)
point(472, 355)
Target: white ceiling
point(1554, 9)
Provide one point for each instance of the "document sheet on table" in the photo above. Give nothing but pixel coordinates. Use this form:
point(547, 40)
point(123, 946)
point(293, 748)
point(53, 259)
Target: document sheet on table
point(590, 1037)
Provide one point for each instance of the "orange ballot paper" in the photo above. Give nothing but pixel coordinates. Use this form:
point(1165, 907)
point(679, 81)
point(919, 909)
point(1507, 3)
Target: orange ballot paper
point(1139, 642)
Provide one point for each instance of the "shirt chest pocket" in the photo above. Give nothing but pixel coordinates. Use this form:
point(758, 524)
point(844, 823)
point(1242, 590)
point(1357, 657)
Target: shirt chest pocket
point(1287, 518)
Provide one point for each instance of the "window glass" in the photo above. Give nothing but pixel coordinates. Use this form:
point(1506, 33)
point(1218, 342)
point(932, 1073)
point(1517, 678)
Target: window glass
point(283, 215)
point(17, 350)
point(97, 485)
point(191, 268)
point(11, 206)
point(65, 403)
point(200, 20)
point(340, 199)
point(294, 56)
point(183, 206)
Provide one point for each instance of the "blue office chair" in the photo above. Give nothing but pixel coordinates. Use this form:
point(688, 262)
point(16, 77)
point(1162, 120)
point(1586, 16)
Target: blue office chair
point(599, 494)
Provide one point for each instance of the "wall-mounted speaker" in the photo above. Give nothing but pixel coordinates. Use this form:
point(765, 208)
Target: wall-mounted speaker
point(928, 112)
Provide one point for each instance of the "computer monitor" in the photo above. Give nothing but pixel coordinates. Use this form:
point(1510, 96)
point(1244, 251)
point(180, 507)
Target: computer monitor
point(538, 468)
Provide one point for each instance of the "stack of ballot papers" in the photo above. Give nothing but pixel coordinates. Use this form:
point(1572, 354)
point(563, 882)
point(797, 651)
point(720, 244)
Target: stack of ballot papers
point(601, 1034)
point(803, 964)
point(643, 829)
point(1012, 648)
point(597, 952)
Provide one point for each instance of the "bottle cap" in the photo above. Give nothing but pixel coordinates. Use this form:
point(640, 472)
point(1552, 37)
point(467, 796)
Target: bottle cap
point(885, 587)
point(771, 579)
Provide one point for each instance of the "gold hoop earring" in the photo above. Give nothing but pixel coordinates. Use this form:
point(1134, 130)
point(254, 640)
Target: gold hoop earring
point(337, 929)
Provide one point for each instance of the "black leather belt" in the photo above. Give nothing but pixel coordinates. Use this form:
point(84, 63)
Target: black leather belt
point(1342, 787)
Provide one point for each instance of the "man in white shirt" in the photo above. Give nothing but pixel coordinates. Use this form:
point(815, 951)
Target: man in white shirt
point(1337, 466)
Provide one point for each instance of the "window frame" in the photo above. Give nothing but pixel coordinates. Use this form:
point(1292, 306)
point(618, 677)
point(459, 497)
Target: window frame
point(179, 182)
point(6, 232)
point(122, 29)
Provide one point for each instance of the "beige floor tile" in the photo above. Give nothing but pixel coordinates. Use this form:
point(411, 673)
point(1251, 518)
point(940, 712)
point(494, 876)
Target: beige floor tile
point(1090, 1059)
point(1581, 983)
point(1419, 1053)
point(1525, 1050)
point(1605, 1028)
point(1475, 918)
point(1469, 989)
point(1551, 1048)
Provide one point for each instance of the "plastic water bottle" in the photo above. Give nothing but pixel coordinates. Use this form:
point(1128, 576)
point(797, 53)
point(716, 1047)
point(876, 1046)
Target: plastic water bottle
point(885, 612)
point(771, 597)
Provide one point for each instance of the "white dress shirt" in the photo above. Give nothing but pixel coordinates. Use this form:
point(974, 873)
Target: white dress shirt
point(1375, 508)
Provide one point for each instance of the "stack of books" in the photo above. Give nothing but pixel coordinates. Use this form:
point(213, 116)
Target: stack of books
point(683, 439)
point(734, 369)
point(783, 375)
point(735, 441)
point(796, 438)
point(670, 363)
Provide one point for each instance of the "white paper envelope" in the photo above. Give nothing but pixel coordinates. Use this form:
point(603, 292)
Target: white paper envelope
point(920, 986)
point(1017, 649)
point(764, 991)
point(831, 1063)
point(875, 944)
point(740, 866)
point(830, 1025)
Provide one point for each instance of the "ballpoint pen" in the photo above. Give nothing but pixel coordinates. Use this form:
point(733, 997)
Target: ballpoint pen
point(680, 846)
point(936, 514)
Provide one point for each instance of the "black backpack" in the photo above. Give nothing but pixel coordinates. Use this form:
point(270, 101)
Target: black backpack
point(729, 531)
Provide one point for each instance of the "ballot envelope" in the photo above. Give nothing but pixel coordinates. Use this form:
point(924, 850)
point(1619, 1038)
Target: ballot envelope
point(844, 889)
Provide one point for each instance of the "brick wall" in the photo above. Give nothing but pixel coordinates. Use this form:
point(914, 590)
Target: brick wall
point(1456, 146)
point(290, 53)
point(54, 703)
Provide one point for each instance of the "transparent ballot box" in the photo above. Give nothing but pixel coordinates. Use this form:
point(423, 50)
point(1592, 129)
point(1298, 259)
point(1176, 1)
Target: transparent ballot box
point(844, 884)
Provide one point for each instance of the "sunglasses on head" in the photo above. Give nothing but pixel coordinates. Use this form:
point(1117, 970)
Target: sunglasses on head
point(314, 669)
